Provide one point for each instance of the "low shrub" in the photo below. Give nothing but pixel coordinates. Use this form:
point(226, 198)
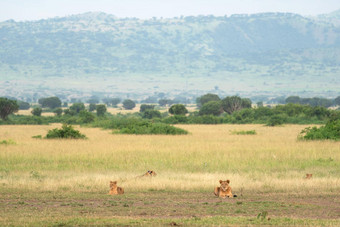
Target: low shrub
point(66, 132)
point(331, 131)
point(7, 142)
point(250, 132)
point(276, 120)
point(134, 125)
point(152, 128)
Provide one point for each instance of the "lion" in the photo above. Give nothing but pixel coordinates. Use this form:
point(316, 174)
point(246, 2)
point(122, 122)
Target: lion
point(114, 190)
point(150, 173)
point(224, 190)
point(309, 176)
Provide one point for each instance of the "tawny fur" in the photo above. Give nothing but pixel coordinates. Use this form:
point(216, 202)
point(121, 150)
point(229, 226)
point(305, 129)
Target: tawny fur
point(224, 190)
point(150, 173)
point(309, 175)
point(114, 189)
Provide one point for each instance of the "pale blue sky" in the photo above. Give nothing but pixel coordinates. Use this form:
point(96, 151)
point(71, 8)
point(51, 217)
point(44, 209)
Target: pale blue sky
point(42, 9)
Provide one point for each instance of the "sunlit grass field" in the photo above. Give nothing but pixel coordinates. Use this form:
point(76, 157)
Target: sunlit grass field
point(272, 160)
point(66, 182)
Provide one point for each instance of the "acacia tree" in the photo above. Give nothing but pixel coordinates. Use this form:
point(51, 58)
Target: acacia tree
point(145, 107)
point(231, 104)
point(164, 102)
point(77, 107)
point(178, 109)
point(129, 104)
point(211, 108)
point(37, 111)
point(206, 98)
point(101, 109)
point(111, 101)
point(92, 107)
point(7, 107)
point(51, 102)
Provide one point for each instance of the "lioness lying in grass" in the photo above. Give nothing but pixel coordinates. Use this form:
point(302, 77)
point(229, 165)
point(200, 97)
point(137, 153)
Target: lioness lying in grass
point(114, 189)
point(224, 190)
point(150, 173)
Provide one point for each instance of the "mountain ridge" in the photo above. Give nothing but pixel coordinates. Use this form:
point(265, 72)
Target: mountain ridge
point(283, 46)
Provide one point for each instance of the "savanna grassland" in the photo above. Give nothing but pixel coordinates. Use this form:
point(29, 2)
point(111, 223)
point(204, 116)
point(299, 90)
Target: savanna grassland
point(65, 182)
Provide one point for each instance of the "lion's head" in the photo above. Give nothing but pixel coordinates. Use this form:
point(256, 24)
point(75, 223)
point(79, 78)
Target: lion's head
point(113, 184)
point(224, 185)
point(151, 173)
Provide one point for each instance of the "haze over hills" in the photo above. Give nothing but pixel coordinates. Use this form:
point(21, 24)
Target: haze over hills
point(260, 55)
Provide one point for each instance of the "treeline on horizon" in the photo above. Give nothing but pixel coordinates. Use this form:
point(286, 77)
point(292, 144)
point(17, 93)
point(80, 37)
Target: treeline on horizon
point(160, 100)
point(211, 109)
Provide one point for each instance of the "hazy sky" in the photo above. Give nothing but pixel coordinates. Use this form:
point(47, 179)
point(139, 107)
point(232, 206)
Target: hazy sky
point(42, 9)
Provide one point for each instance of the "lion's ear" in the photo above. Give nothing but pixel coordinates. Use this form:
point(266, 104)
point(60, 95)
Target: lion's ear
point(221, 181)
point(228, 181)
point(115, 182)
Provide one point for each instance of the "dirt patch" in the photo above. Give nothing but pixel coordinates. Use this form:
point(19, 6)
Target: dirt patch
point(161, 204)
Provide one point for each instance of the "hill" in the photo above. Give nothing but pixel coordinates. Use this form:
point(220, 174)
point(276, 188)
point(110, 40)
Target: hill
point(267, 54)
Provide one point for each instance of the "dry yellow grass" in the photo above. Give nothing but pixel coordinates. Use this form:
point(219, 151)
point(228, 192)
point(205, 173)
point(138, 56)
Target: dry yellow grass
point(272, 160)
point(29, 112)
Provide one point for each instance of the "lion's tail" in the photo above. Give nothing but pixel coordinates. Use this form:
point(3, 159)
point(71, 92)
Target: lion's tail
point(234, 195)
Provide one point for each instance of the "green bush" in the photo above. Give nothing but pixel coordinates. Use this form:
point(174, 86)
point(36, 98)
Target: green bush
point(153, 128)
point(331, 131)
point(178, 109)
point(151, 113)
point(276, 120)
point(176, 119)
point(206, 119)
point(250, 132)
point(134, 125)
point(101, 110)
point(85, 117)
point(211, 108)
point(7, 142)
point(37, 111)
point(66, 132)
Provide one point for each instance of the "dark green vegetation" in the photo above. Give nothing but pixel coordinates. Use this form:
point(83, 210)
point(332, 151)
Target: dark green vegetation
point(313, 101)
point(7, 107)
point(331, 131)
point(239, 54)
point(151, 121)
point(250, 132)
point(37, 111)
point(178, 109)
point(7, 142)
point(66, 132)
point(129, 104)
point(134, 125)
point(165, 208)
point(50, 102)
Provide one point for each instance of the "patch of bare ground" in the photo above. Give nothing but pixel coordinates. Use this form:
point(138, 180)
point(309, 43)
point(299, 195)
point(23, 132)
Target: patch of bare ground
point(163, 204)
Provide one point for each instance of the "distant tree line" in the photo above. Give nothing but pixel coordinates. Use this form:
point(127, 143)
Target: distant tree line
point(314, 101)
point(211, 110)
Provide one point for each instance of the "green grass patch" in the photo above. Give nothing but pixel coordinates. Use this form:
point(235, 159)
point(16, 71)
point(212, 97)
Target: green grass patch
point(7, 142)
point(250, 132)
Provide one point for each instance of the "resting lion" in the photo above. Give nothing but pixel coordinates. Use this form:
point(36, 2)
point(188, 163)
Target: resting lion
point(224, 190)
point(114, 190)
point(309, 176)
point(150, 173)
